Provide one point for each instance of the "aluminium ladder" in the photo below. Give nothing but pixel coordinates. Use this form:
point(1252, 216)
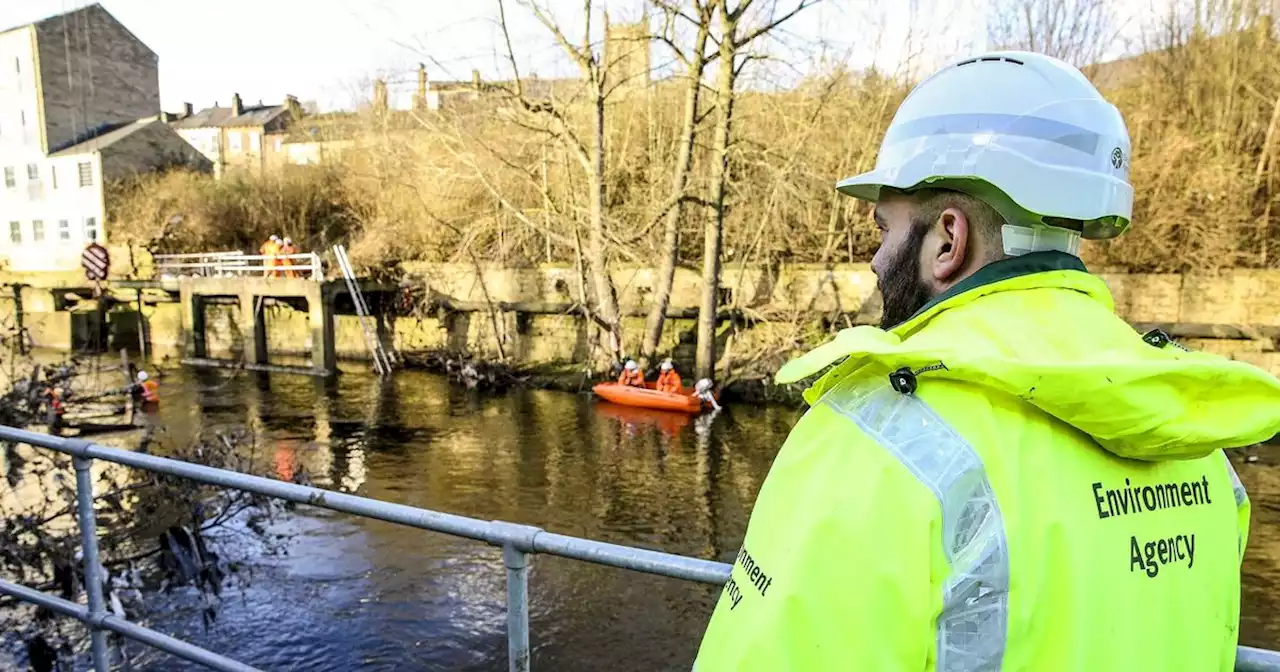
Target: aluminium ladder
point(381, 358)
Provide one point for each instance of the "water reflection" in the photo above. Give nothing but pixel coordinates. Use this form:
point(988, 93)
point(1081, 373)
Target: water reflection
point(355, 593)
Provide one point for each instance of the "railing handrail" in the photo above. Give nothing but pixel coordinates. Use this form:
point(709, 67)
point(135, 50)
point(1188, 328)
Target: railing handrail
point(198, 255)
point(516, 540)
point(238, 263)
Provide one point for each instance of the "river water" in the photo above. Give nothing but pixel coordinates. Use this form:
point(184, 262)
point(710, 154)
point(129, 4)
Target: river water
point(352, 593)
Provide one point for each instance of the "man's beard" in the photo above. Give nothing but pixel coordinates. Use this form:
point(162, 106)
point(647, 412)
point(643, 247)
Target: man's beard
point(902, 290)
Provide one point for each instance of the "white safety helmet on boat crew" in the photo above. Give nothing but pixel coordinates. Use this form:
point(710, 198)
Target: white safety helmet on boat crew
point(631, 365)
point(1023, 132)
point(142, 376)
point(666, 365)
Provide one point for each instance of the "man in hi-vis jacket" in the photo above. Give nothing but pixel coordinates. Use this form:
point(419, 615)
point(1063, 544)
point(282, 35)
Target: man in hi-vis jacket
point(1006, 476)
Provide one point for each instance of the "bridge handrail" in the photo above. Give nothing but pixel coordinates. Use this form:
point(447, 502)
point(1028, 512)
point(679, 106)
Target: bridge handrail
point(516, 540)
point(198, 255)
point(239, 264)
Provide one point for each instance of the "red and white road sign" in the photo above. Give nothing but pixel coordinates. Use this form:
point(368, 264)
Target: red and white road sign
point(95, 261)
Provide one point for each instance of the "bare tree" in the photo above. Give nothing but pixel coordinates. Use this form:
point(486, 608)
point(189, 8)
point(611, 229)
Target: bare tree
point(1076, 31)
point(735, 36)
point(694, 59)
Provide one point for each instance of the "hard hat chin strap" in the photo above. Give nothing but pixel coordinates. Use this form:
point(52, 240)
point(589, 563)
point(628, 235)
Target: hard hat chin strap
point(1020, 240)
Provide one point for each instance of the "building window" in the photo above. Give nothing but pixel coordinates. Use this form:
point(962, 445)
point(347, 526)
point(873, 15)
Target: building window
point(17, 65)
point(53, 176)
point(86, 174)
point(33, 172)
point(91, 229)
point(37, 230)
point(64, 229)
point(9, 179)
point(233, 141)
point(15, 232)
point(255, 142)
point(278, 142)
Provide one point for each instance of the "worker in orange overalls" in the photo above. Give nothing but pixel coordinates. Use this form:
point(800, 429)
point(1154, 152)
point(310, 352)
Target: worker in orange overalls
point(631, 374)
point(287, 248)
point(669, 380)
point(148, 389)
point(270, 249)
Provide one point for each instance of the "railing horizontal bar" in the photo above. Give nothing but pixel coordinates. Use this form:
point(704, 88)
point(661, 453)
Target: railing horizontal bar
point(627, 557)
point(177, 647)
point(1249, 659)
point(523, 537)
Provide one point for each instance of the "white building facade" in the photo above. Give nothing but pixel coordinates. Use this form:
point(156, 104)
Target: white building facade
point(70, 108)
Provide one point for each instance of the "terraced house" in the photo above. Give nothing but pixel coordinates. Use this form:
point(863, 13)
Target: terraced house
point(79, 107)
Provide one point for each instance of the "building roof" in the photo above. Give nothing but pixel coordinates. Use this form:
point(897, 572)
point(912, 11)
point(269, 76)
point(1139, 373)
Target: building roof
point(211, 117)
point(93, 7)
point(106, 137)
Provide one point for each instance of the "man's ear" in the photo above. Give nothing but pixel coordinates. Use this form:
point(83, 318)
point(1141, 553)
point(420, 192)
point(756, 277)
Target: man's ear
point(954, 244)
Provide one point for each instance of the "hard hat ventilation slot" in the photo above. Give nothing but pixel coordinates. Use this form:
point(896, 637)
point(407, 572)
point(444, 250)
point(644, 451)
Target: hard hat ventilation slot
point(990, 59)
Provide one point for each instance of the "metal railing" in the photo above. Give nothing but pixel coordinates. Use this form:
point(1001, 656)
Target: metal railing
point(517, 542)
point(234, 264)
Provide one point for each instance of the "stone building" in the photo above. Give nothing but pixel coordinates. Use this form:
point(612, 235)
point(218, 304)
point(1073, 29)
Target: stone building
point(79, 106)
point(239, 137)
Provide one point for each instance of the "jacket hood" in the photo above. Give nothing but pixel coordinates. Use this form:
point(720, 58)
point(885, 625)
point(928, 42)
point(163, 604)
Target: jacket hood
point(1043, 329)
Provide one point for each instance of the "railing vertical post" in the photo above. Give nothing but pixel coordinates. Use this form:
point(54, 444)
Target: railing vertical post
point(517, 563)
point(92, 568)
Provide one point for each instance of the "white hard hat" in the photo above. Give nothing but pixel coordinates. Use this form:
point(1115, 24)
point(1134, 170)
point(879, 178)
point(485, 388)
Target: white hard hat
point(287, 239)
point(631, 365)
point(666, 365)
point(142, 375)
point(1025, 133)
point(274, 237)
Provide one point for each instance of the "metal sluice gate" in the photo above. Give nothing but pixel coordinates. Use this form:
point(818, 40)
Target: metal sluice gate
point(517, 542)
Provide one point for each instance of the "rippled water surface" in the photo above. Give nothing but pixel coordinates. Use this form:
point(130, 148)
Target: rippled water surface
point(358, 593)
point(353, 593)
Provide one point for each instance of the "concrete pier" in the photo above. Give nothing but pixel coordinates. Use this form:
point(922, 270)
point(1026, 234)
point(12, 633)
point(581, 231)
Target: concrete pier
point(252, 294)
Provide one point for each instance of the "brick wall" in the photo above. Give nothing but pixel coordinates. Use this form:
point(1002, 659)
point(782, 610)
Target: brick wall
point(93, 71)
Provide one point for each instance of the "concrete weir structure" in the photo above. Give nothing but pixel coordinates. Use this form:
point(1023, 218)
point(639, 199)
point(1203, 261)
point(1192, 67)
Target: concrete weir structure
point(251, 295)
point(530, 316)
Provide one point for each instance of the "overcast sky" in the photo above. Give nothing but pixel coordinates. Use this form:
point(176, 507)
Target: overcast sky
point(330, 50)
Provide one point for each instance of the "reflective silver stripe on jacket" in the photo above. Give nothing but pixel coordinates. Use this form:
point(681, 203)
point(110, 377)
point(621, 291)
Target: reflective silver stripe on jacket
point(974, 621)
point(1237, 488)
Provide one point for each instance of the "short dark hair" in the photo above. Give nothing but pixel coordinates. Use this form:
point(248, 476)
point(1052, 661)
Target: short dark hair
point(929, 203)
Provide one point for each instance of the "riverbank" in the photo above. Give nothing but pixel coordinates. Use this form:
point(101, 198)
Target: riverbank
point(528, 319)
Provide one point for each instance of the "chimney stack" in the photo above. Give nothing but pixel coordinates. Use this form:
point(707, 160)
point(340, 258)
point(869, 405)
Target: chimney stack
point(187, 110)
point(237, 108)
point(295, 109)
point(422, 86)
point(379, 95)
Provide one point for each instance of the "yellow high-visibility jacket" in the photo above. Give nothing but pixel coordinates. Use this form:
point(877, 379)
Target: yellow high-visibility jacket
point(1039, 488)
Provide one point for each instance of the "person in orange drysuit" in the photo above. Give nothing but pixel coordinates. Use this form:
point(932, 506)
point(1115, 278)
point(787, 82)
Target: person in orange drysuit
point(631, 374)
point(287, 248)
point(669, 380)
point(270, 249)
point(148, 389)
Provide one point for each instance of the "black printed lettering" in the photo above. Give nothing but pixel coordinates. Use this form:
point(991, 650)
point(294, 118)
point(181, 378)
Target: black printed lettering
point(754, 574)
point(1130, 498)
point(1151, 556)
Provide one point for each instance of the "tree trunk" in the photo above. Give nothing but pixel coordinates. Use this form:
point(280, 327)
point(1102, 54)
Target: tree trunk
point(679, 181)
point(706, 359)
point(606, 300)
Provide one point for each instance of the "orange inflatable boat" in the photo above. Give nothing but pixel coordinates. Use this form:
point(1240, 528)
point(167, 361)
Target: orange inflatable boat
point(648, 397)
